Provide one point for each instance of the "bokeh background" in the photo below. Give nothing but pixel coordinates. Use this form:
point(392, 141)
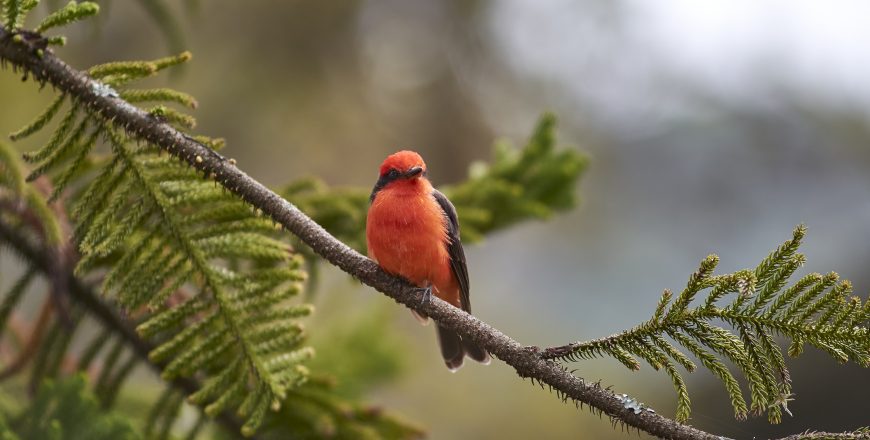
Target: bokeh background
point(712, 127)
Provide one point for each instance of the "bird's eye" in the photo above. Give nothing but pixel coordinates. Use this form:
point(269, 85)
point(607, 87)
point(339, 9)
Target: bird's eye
point(393, 173)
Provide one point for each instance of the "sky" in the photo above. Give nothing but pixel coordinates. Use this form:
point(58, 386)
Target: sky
point(641, 57)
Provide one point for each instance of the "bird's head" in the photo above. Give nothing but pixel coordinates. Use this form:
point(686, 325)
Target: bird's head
point(405, 164)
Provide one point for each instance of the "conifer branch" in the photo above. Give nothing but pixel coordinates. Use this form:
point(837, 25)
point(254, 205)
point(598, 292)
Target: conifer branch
point(28, 52)
point(815, 310)
point(42, 259)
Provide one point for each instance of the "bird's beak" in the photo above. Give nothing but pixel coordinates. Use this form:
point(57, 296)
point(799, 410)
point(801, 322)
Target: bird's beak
point(414, 172)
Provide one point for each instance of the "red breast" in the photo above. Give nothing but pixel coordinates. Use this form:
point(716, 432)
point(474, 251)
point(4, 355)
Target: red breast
point(406, 229)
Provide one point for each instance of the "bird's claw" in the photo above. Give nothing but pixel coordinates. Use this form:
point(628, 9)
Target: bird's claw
point(427, 295)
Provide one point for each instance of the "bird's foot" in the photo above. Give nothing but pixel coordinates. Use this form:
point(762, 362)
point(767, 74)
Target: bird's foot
point(427, 295)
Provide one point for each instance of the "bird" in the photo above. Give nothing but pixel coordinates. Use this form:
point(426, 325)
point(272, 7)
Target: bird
point(412, 231)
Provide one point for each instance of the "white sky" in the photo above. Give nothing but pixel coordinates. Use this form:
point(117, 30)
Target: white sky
point(620, 54)
point(823, 45)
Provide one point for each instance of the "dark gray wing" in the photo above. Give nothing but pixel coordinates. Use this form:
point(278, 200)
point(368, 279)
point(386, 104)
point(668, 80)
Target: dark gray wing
point(454, 249)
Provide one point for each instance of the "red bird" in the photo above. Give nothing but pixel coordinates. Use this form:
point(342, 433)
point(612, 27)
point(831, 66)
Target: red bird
point(412, 231)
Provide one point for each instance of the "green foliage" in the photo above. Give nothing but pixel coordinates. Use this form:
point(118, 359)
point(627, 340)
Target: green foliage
point(314, 411)
point(11, 298)
point(159, 95)
point(162, 233)
point(65, 410)
point(163, 227)
point(157, 230)
point(213, 284)
point(14, 12)
point(71, 12)
point(118, 73)
point(815, 310)
point(341, 211)
point(47, 348)
point(33, 207)
point(11, 170)
point(40, 120)
point(533, 182)
point(210, 282)
point(164, 414)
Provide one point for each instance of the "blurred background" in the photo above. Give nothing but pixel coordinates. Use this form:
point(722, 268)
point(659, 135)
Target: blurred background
point(713, 127)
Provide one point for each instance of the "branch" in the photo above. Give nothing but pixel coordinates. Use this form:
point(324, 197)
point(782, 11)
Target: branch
point(29, 54)
point(43, 260)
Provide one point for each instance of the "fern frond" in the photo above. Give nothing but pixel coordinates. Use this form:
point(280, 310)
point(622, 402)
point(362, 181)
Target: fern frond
point(170, 415)
point(93, 349)
point(157, 227)
point(314, 411)
point(242, 310)
point(131, 69)
point(782, 255)
point(532, 182)
point(41, 367)
point(40, 121)
point(14, 12)
point(173, 117)
point(108, 391)
point(815, 310)
point(54, 154)
point(73, 11)
point(77, 164)
point(58, 138)
point(719, 369)
point(11, 298)
point(122, 72)
point(38, 215)
point(159, 95)
point(57, 40)
point(78, 132)
point(174, 60)
point(213, 285)
point(11, 170)
point(696, 282)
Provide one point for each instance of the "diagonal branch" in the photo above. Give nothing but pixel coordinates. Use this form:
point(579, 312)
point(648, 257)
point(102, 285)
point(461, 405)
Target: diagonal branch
point(45, 67)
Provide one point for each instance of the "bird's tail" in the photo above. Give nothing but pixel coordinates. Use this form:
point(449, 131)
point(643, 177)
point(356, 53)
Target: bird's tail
point(454, 349)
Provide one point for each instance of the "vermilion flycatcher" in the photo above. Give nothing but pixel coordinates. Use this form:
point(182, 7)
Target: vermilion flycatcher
point(412, 231)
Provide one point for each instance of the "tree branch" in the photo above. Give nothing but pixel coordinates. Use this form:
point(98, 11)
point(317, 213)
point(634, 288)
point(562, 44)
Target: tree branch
point(527, 361)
